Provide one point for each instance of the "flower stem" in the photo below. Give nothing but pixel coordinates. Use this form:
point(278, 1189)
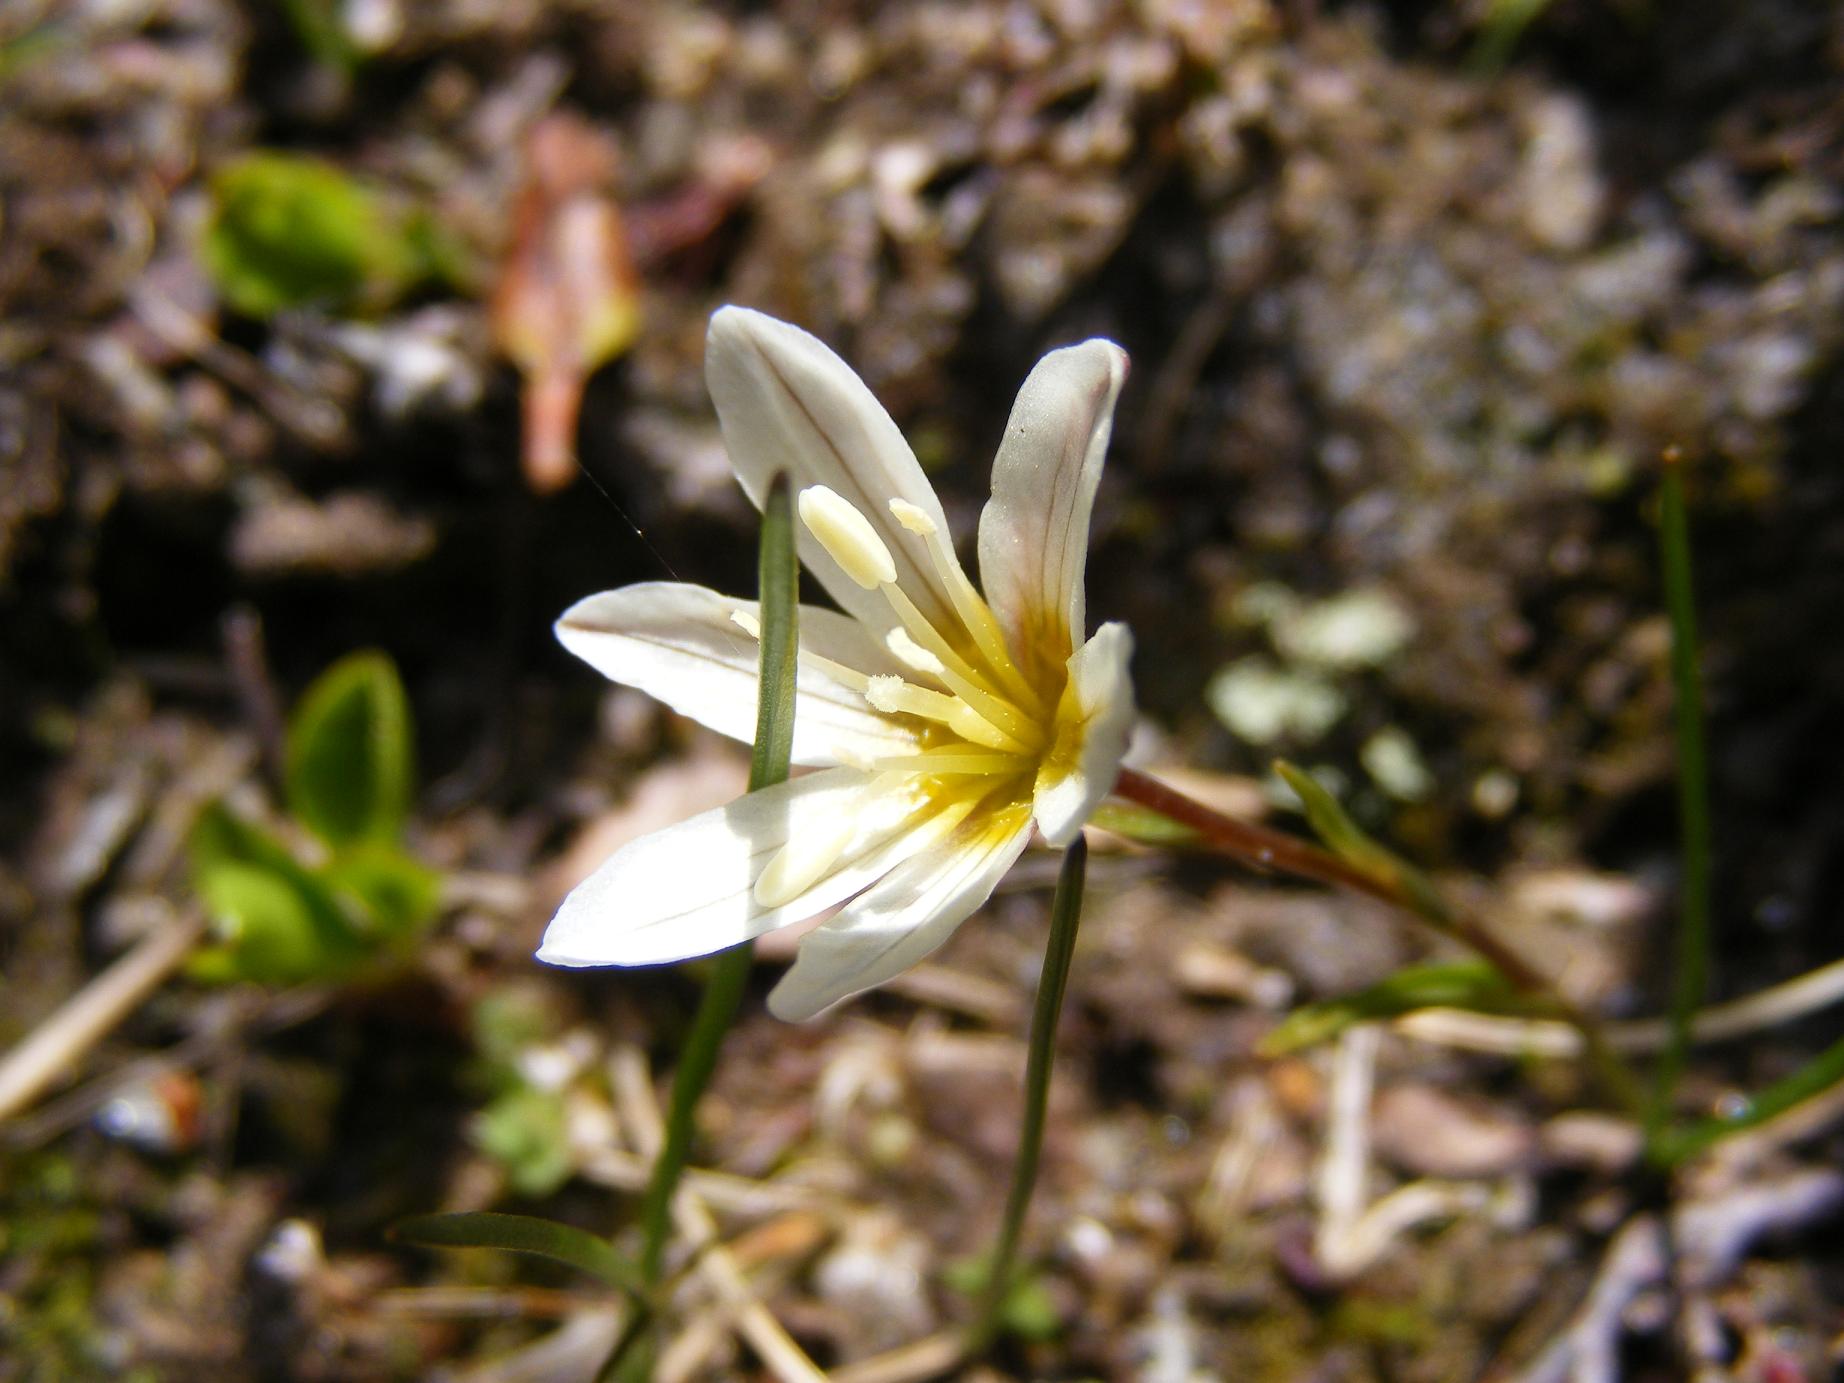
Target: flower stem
point(1264, 848)
point(1065, 914)
point(779, 577)
point(723, 992)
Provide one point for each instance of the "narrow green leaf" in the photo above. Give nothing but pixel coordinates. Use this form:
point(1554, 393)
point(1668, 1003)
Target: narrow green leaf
point(1692, 941)
point(1346, 839)
point(1473, 985)
point(528, 1234)
point(351, 760)
point(1814, 1078)
point(1141, 824)
point(778, 581)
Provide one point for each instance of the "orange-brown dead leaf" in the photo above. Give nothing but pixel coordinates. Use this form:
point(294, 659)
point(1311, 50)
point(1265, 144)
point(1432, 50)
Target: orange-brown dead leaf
point(568, 298)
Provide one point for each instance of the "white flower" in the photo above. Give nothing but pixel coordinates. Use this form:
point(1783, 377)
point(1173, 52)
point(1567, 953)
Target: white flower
point(944, 724)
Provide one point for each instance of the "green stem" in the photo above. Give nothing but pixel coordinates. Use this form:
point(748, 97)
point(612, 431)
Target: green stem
point(1692, 964)
point(723, 992)
point(1065, 914)
point(779, 576)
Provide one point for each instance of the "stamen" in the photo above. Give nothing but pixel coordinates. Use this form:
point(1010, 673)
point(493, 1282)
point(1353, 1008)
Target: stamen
point(892, 696)
point(851, 677)
point(911, 654)
point(953, 759)
point(914, 517)
point(962, 679)
point(974, 613)
point(807, 858)
point(847, 536)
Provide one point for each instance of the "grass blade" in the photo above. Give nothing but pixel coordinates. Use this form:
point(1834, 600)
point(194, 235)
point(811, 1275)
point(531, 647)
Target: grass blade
point(1692, 942)
point(1814, 1078)
point(577, 1248)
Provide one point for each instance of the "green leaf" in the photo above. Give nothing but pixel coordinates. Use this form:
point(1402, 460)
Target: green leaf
point(575, 1248)
point(286, 231)
point(280, 922)
point(778, 583)
point(1814, 1078)
point(524, 1130)
point(1471, 985)
point(219, 835)
point(273, 931)
point(350, 764)
point(1139, 823)
point(395, 895)
point(1346, 839)
point(1026, 1309)
point(317, 24)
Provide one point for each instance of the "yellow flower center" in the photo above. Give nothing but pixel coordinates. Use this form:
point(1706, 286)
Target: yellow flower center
point(987, 734)
point(979, 713)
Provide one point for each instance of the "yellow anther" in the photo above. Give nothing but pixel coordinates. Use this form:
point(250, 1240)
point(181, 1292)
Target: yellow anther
point(893, 696)
point(914, 518)
point(847, 536)
point(807, 858)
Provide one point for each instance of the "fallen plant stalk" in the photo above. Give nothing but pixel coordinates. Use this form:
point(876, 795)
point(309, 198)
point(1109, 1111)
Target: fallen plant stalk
point(1481, 1032)
point(57, 1044)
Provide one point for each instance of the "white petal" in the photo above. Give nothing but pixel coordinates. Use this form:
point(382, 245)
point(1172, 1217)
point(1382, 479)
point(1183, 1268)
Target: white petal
point(787, 403)
point(679, 643)
point(1034, 530)
point(689, 890)
point(1093, 724)
point(893, 925)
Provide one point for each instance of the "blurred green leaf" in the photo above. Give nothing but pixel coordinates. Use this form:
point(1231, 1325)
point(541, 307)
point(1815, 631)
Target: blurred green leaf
point(524, 1131)
point(506, 1020)
point(560, 1243)
point(220, 835)
point(288, 231)
point(1505, 23)
point(1346, 839)
point(1818, 1075)
point(316, 24)
point(274, 931)
point(350, 764)
point(1139, 823)
point(1471, 985)
point(280, 923)
point(395, 895)
point(1027, 1310)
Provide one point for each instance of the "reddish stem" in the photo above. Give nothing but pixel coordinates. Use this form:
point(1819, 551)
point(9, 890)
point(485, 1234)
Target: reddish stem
point(1253, 845)
point(1263, 848)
